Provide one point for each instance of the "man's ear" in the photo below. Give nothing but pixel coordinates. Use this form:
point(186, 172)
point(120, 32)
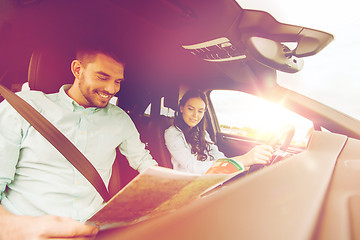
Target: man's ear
point(76, 68)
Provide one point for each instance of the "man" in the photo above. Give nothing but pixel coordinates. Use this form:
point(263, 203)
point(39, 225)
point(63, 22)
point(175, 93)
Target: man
point(42, 194)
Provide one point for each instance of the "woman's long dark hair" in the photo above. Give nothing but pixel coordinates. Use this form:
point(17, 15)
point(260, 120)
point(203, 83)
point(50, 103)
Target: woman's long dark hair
point(194, 136)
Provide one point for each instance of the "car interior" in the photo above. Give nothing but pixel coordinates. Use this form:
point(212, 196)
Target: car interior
point(174, 45)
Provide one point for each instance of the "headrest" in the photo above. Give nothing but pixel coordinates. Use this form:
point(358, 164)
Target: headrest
point(49, 69)
point(171, 98)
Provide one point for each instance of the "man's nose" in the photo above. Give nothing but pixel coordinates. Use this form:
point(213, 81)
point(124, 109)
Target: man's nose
point(111, 88)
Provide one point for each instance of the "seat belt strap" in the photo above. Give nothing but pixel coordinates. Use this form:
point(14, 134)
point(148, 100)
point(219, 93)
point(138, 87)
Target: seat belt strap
point(57, 139)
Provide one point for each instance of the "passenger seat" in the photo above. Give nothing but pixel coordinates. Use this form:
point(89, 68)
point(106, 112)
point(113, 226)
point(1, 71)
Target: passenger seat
point(156, 141)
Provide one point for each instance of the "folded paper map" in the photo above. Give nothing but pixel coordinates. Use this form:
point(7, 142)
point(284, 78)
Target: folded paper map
point(152, 193)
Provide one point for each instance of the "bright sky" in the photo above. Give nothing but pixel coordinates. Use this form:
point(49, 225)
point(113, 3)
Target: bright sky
point(332, 76)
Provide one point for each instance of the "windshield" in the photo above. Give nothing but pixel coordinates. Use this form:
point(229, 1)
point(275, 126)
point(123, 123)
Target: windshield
point(332, 76)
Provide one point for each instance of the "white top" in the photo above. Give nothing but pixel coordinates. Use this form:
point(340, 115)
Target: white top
point(181, 156)
point(35, 179)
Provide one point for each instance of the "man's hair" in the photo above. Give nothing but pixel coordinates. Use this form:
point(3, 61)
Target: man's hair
point(86, 52)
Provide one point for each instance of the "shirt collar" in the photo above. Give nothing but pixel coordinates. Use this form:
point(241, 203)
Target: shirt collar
point(64, 97)
point(71, 103)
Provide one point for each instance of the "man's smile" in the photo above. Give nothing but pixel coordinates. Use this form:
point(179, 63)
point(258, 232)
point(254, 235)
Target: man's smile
point(104, 95)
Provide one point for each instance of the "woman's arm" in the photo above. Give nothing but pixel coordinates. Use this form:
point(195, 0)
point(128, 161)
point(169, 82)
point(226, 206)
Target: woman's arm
point(260, 154)
point(181, 153)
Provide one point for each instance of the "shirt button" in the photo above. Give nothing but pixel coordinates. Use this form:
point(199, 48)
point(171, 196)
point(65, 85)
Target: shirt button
point(83, 132)
point(84, 113)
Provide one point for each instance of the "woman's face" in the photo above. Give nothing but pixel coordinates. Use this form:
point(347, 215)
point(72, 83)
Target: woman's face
point(193, 111)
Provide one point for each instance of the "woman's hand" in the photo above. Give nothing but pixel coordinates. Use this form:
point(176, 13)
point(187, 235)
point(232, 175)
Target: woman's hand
point(43, 227)
point(260, 154)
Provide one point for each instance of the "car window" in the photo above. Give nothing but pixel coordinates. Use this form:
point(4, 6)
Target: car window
point(252, 117)
point(164, 111)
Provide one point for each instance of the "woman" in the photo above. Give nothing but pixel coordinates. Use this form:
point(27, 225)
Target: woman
point(190, 145)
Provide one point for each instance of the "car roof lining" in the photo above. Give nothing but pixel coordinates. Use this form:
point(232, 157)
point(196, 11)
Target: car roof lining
point(151, 42)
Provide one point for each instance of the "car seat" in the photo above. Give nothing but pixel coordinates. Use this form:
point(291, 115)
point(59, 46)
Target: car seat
point(49, 69)
point(156, 141)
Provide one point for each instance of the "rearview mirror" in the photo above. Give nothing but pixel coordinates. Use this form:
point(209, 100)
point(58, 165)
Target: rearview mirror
point(264, 37)
point(311, 42)
point(273, 54)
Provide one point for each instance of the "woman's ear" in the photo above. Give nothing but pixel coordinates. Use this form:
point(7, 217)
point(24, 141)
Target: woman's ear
point(181, 109)
point(76, 68)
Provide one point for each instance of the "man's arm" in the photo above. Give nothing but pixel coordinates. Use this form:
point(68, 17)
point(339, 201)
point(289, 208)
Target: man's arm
point(133, 149)
point(42, 227)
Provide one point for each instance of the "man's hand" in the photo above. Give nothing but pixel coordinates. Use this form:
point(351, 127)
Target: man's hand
point(260, 154)
point(44, 227)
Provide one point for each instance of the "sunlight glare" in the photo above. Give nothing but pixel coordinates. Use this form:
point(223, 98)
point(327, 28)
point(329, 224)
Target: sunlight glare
point(243, 114)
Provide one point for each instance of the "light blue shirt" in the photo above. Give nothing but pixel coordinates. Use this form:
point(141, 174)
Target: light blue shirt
point(181, 156)
point(35, 179)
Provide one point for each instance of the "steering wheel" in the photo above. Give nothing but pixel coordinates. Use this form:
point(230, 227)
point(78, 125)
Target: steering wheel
point(283, 137)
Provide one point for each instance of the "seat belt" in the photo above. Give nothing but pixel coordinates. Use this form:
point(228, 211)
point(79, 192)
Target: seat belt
point(57, 139)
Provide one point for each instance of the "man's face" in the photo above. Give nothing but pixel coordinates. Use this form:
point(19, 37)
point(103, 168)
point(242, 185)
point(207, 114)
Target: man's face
point(99, 81)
